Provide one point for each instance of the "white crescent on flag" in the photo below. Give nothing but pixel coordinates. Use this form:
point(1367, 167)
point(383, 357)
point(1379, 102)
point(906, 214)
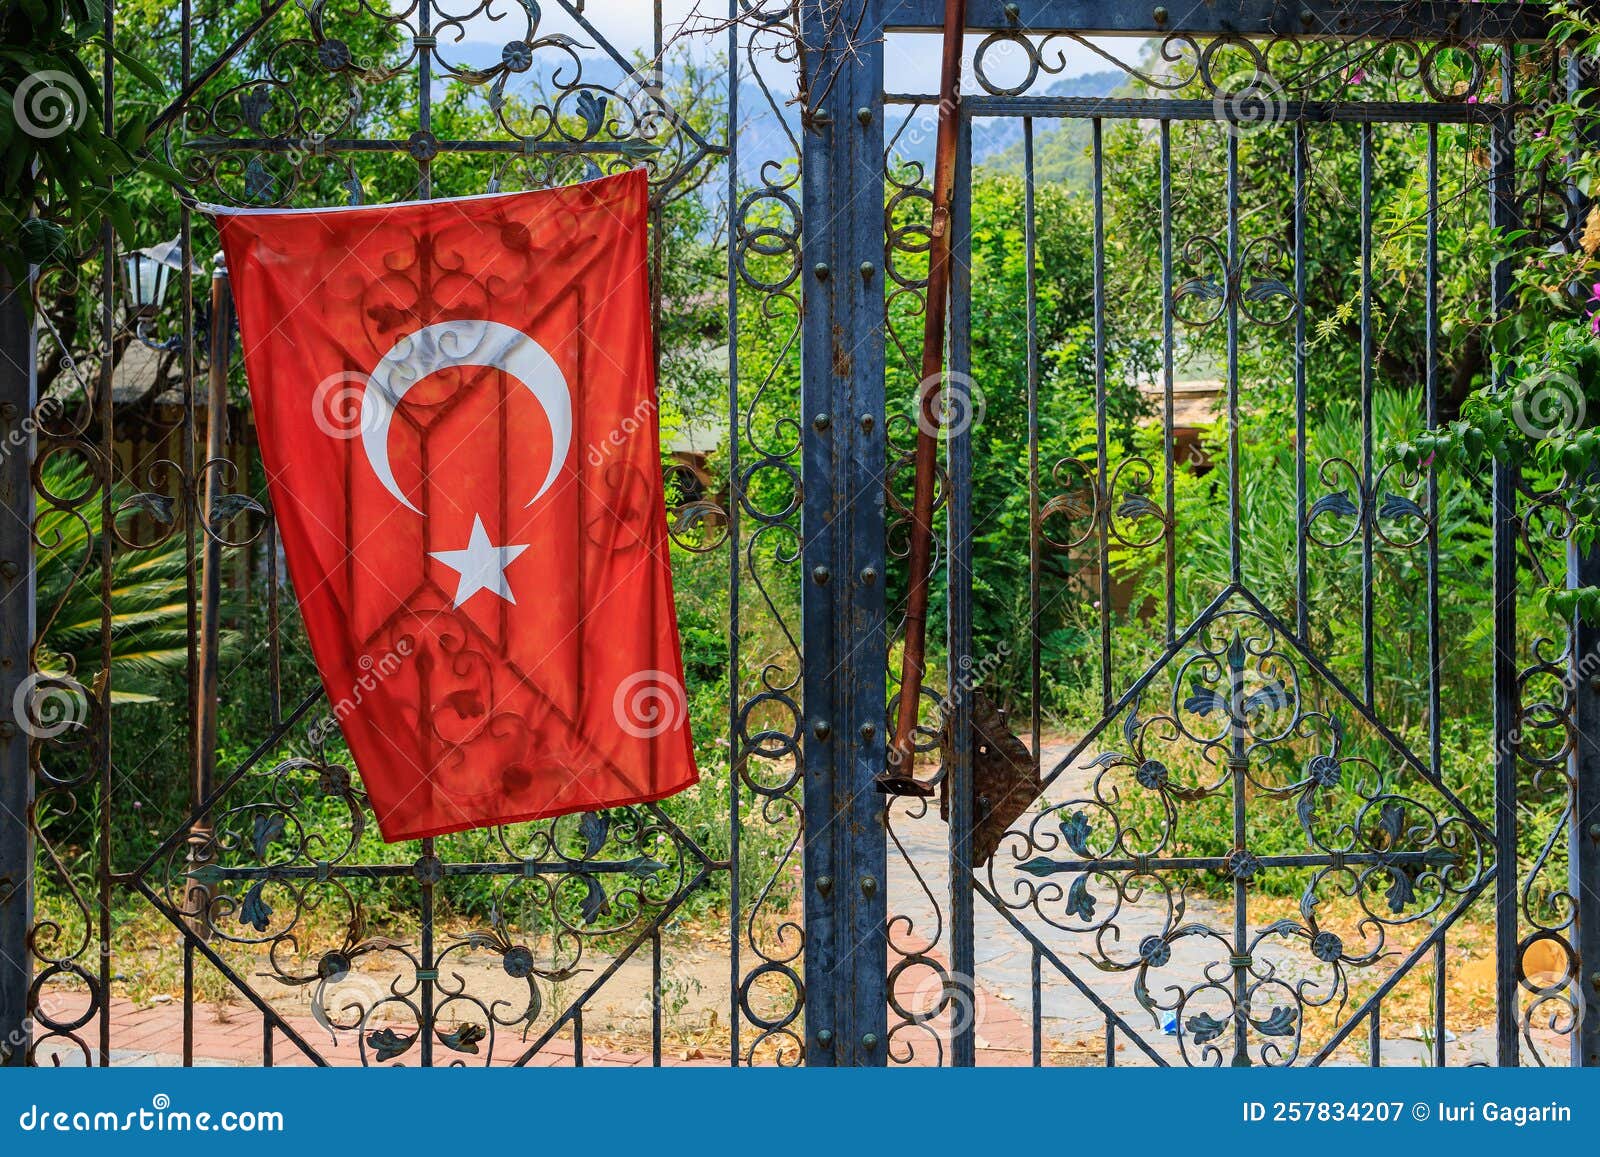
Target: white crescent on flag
point(448, 345)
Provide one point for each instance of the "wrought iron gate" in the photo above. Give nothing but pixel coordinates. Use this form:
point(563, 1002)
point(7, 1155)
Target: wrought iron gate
point(847, 928)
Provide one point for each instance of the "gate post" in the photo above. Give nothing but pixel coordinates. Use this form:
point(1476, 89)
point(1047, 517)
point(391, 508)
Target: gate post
point(16, 642)
point(1583, 860)
point(843, 457)
point(1583, 837)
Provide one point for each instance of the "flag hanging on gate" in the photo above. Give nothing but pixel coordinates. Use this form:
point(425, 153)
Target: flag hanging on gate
point(455, 403)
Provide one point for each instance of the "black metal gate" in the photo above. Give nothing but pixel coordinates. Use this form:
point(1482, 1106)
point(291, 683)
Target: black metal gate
point(1227, 674)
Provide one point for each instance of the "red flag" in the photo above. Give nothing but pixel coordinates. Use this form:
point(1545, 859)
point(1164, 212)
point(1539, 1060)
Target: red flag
point(456, 407)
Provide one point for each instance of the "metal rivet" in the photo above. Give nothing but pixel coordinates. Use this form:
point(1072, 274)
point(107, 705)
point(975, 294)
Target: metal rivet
point(8, 730)
point(869, 575)
point(820, 575)
point(1594, 979)
point(1594, 684)
point(1160, 15)
point(1307, 17)
point(821, 422)
point(9, 411)
point(867, 423)
point(869, 885)
point(867, 270)
point(821, 270)
point(868, 731)
point(822, 117)
point(1013, 13)
point(824, 885)
point(9, 570)
point(1594, 831)
point(822, 729)
point(864, 115)
point(869, 1041)
point(825, 1037)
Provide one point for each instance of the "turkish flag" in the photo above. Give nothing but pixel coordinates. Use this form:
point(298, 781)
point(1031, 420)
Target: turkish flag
point(456, 408)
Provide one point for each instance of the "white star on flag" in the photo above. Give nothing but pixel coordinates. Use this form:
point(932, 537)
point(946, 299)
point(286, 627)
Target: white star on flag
point(482, 565)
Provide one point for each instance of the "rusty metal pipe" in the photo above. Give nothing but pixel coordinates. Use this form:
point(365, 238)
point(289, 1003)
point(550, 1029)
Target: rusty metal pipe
point(201, 835)
point(898, 777)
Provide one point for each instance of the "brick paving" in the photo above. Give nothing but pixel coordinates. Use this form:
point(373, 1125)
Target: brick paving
point(153, 1035)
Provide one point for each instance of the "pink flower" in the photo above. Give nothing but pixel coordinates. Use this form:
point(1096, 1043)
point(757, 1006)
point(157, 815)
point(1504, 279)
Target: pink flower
point(1355, 76)
point(1594, 314)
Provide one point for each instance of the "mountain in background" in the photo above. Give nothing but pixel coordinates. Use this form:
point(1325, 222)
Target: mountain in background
point(767, 134)
point(1061, 154)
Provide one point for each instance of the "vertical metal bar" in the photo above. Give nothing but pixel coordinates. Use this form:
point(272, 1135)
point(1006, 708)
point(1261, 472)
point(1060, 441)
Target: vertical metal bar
point(1431, 385)
point(1102, 465)
point(1439, 1041)
point(1503, 218)
point(108, 287)
point(655, 997)
point(843, 462)
point(191, 577)
point(1375, 1037)
point(197, 899)
point(1111, 1043)
point(1302, 164)
point(1368, 515)
point(1238, 767)
point(1030, 250)
point(1583, 859)
point(266, 1041)
point(577, 1039)
point(1168, 449)
point(735, 505)
point(958, 572)
point(1583, 765)
point(18, 383)
point(1238, 760)
point(188, 1003)
point(425, 42)
point(1235, 553)
point(1036, 987)
point(274, 641)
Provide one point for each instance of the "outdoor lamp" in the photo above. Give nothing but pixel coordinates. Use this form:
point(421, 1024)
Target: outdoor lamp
point(148, 271)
